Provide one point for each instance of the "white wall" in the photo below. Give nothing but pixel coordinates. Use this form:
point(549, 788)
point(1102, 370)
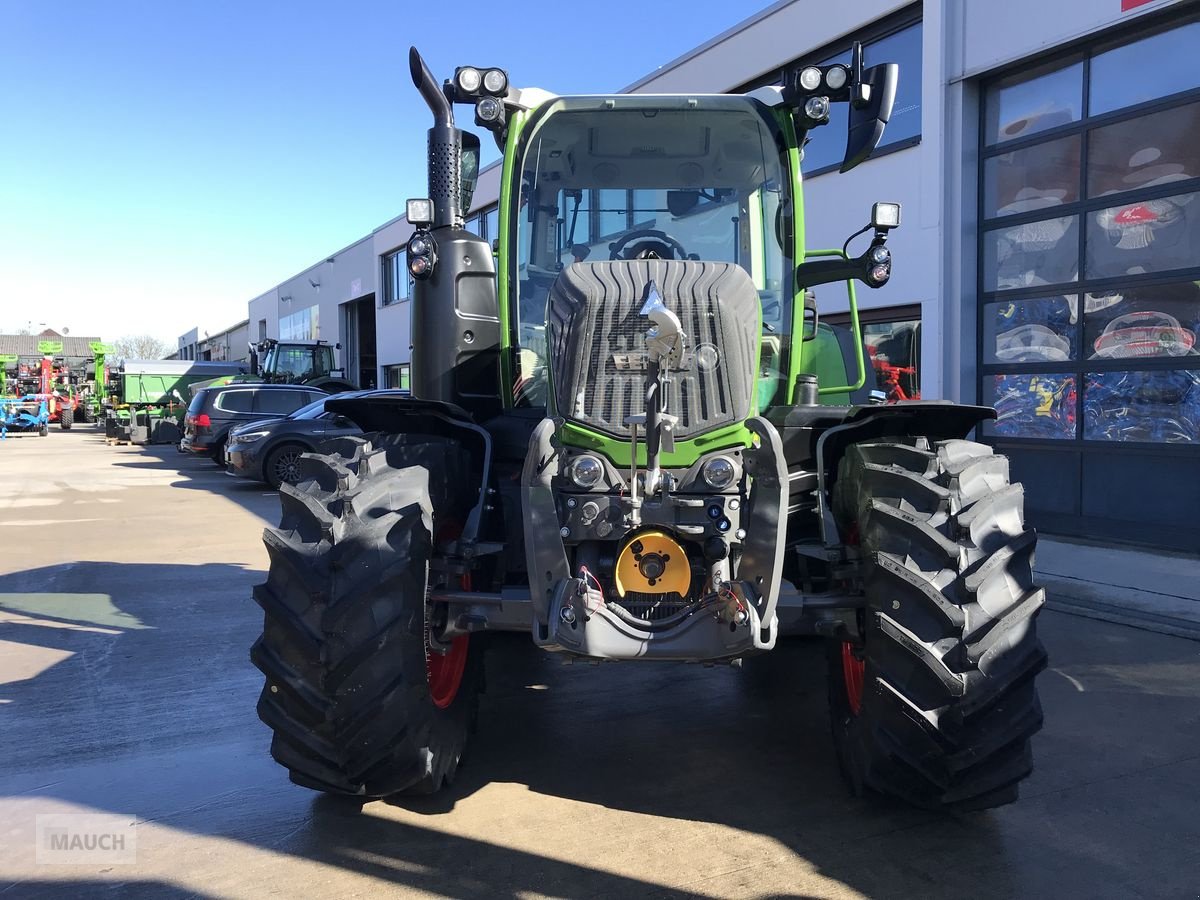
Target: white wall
point(393, 332)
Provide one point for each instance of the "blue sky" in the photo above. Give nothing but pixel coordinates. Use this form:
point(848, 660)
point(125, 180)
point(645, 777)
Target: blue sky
point(162, 162)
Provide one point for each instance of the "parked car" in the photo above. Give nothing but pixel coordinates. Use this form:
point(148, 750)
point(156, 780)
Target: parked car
point(270, 450)
point(215, 411)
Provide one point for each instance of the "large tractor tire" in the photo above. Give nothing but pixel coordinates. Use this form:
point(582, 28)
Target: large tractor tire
point(87, 414)
point(359, 701)
point(66, 418)
point(936, 703)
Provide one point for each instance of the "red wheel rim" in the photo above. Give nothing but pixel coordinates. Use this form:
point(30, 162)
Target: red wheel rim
point(445, 671)
point(852, 672)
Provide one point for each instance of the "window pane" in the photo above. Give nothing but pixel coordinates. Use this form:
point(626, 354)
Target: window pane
point(1036, 177)
point(613, 218)
point(579, 239)
point(1043, 252)
point(1032, 406)
point(1033, 101)
point(491, 224)
point(1162, 407)
point(894, 353)
point(1155, 321)
point(1156, 66)
point(236, 401)
point(904, 48)
point(1040, 330)
point(1145, 152)
point(1144, 236)
point(645, 208)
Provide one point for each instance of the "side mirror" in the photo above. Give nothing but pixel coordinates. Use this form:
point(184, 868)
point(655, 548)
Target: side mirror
point(871, 104)
point(470, 168)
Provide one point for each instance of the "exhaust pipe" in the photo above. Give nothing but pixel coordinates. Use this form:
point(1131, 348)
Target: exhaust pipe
point(445, 147)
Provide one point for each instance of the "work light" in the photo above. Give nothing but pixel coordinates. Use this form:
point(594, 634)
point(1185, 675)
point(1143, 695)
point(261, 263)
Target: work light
point(836, 77)
point(495, 81)
point(810, 78)
point(468, 79)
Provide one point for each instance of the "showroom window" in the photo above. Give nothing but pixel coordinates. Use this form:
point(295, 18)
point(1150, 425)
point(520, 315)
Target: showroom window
point(1089, 275)
point(396, 376)
point(397, 283)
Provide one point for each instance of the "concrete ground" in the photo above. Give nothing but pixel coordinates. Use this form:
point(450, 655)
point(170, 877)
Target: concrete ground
point(125, 687)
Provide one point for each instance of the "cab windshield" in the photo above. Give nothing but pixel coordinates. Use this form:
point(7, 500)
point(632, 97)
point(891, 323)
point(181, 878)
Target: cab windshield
point(675, 177)
point(298, 363)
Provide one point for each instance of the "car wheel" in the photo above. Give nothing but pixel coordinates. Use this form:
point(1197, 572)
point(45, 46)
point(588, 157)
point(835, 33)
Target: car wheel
point(282, 465)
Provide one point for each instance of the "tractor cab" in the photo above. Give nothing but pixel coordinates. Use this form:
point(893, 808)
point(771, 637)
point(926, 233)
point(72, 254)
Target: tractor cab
point(298, 362)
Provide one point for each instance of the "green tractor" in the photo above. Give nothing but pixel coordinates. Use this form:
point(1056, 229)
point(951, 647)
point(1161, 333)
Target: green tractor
point(297, 362)
point(642, 452)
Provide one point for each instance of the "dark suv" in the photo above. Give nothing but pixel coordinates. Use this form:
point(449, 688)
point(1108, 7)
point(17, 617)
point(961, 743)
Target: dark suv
point(215, 411)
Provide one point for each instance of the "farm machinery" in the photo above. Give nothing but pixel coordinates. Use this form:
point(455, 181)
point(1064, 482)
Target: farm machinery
point(646, 452)
point(49, 382)
point(147, 398)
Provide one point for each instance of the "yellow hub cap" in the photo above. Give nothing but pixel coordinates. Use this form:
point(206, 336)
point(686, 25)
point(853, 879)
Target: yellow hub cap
point(653, 563)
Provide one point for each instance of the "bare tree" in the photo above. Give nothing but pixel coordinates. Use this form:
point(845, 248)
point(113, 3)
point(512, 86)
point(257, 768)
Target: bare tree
point(140, 346)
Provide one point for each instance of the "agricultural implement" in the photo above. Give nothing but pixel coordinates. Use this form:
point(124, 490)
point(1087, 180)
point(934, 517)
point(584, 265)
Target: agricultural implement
point(148, 398)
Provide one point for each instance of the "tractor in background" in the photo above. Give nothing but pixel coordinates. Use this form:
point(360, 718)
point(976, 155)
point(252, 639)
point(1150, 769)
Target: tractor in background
point(645, 452)
point(297, 362)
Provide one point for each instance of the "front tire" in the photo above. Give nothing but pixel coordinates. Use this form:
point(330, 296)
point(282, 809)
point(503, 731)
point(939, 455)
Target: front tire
point(282, 465)
point(358, 701)
point(66, 418)
point(936, 704)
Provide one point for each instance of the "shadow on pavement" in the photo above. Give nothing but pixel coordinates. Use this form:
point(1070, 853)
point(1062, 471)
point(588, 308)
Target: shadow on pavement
point(153, 711)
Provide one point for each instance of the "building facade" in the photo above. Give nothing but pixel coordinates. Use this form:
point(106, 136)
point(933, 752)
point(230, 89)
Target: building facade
point(1045, 156)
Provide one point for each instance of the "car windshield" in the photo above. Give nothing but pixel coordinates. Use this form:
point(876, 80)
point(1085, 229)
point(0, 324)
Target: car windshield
point(312, 411)
point(684, 178)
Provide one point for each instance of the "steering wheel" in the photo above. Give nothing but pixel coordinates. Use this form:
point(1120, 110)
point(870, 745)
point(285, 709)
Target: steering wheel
point(651, 236)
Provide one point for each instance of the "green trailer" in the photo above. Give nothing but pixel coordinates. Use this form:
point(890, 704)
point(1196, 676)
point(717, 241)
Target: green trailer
point(148, 397)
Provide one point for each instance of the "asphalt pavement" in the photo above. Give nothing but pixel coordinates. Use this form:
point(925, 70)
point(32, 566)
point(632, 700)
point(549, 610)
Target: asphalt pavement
point(126, 688)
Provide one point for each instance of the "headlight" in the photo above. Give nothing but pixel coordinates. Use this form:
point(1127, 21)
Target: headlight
point(810, 78)
point(248, 436)
point(586, 471)
point(718, 473)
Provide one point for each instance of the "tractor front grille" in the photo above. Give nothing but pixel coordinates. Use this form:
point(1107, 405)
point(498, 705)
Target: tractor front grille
point(653, 607)
point(598, 342)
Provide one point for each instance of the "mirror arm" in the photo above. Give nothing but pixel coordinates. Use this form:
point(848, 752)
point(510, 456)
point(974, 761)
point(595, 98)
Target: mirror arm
point(824, 271)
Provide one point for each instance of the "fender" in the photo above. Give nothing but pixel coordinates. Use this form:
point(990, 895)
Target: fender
point(938, 420)
point(398, 412)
